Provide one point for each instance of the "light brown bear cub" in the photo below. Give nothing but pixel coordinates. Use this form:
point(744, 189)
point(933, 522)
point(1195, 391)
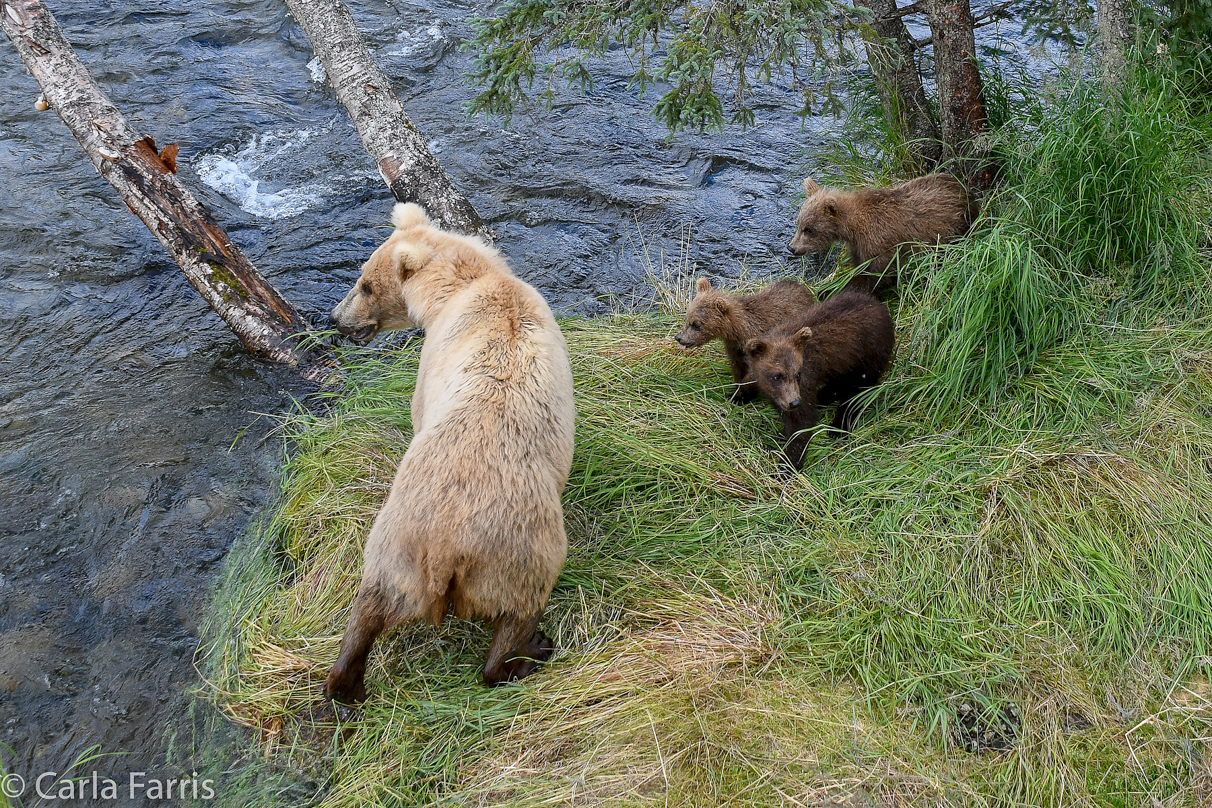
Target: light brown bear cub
point(830, 353)
point(714, 314)
point(473, 519)
point(875, 222)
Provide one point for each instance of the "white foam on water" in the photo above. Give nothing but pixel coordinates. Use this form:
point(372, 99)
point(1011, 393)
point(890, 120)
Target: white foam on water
point(317, 70)
point(412, 42)
point(235, 175)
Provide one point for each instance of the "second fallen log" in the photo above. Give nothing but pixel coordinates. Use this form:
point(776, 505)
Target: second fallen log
point(399, 149)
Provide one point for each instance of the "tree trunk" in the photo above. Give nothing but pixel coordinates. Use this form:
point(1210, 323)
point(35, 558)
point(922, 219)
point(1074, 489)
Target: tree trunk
point(890, 56)
point(1113, 36)
point(147, 181)
point(408, 167)
point(960, 90)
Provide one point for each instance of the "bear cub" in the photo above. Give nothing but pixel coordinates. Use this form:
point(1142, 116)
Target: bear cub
point(735, 319)
point(830, 353)
point(874, 223)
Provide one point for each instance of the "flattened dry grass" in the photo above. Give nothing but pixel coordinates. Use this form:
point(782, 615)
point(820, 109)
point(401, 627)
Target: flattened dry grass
point(996, 592)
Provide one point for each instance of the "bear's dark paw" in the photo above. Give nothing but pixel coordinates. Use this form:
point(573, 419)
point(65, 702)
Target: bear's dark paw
point(837, 430)
point(345, 689)
point(540, 647)
point(742, 395)
point(345, 712)
point(786, 471)
point(537, 651)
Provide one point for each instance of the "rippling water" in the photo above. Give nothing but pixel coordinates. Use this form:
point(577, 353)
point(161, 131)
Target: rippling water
point(130, 451)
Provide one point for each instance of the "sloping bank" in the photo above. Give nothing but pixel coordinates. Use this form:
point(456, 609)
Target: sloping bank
point(998, 591)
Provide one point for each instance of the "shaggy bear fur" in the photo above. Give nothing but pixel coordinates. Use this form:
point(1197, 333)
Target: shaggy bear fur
point(829, 354)
point(714, 314)
point(875, 222)
point(473, 520)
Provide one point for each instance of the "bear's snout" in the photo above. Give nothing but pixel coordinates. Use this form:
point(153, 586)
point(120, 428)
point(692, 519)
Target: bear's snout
point(359, 334)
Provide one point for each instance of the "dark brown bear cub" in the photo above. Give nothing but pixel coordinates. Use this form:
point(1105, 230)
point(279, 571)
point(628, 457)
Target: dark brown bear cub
point(879, 224)
point(736, 318)
point(831, 353)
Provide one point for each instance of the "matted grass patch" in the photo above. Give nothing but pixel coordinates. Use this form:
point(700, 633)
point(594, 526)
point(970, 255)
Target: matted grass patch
point(995, 614)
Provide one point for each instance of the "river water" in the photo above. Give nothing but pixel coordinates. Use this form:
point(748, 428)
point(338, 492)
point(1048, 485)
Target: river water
point(132, 452)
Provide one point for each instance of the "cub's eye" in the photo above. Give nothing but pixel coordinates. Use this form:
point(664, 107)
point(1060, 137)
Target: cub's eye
point(778, 377)
point(696, 325)
point(807, 231)
point(366, 289)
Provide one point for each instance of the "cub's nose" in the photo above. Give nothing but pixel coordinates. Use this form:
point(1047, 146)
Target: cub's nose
point(794, 404)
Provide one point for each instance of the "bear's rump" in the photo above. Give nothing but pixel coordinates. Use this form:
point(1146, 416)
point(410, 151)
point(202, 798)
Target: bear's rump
point(485, 562)
point(486, 530)
point(496, 561)
point(488, 585)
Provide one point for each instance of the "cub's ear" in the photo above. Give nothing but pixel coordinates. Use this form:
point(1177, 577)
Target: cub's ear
point(408, 214)
point(830, 209)
point(802, 336)
point(410, 257)
point(756, 347)
point(722, 305)
point(702, 286)
point(810, 186)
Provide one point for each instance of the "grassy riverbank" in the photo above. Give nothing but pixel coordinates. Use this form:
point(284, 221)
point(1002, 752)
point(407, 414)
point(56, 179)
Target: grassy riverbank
point(997, 592)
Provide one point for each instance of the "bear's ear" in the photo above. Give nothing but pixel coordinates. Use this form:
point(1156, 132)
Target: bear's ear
point(830, 209)
point(802, 336)
point(702, 286)
point(408, 214)
point(411, 257)
point(756, 347)
point(810, 186)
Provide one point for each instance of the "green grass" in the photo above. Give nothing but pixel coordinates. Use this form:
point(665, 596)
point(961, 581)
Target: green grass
point(1014, 548)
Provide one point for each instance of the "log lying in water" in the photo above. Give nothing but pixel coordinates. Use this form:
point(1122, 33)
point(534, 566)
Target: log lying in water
point(408, 167)
point(147, 181)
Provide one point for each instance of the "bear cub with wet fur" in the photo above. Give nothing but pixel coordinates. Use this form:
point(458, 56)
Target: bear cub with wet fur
point(879, 224)
point(734, 319)
point(828, 354)
point(473, 520)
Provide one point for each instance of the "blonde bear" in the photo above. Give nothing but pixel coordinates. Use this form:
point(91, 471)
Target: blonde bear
point(473, 520)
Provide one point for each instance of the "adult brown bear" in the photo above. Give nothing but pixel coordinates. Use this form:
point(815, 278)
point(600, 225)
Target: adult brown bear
point(473, 519)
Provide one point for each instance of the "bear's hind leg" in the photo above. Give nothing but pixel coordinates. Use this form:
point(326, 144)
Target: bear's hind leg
point(517, 649)
point(847, 392)
point(347, 680)
point(843, 418)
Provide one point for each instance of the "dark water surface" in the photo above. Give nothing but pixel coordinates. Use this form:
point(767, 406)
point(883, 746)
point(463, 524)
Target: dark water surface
point(131, 452)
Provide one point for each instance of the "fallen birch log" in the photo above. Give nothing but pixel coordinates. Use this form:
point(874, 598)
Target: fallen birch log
point(407, 165)
point(146, 179)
